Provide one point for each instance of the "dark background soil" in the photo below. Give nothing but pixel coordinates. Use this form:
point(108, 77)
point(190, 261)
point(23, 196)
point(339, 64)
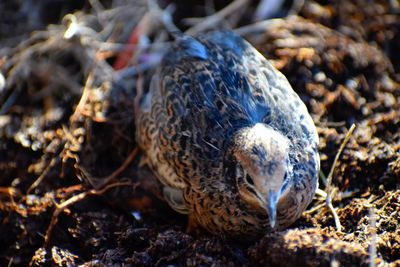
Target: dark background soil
point(72, 192)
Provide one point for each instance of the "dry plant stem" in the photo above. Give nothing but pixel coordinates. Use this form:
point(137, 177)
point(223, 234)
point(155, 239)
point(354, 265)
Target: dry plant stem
point(21, 48)
point(372, 247)
point(214, 19)
point(72, 200)
point(97, 6)
point(121, 168)
point(81, 105)
point(322, 177)
point(329, 179)
point(335, 216)
point(266, 9)
point(10, 262)
point(118, 47)
point(10, 100)
point(69, 138)
point(258, 27)
point(320, 193)
point(52, 163)
point(156, 17)
point(318, 207)
point(163, 16)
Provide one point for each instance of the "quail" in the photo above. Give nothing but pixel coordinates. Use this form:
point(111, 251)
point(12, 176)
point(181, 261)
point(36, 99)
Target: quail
point(231, 142)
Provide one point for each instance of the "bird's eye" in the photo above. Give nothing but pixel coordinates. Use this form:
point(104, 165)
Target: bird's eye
point(249, 180)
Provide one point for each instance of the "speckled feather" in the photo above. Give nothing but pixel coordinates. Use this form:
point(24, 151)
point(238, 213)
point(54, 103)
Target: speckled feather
point(207, 89)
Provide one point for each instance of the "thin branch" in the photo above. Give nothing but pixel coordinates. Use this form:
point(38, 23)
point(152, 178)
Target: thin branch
point(322, 177)
point(342, 146)
point(72, 200)
point(372, 246)
point(329, 179)
point(52, 163)
point(121, 168)
point(267, 8)
point(258, 27)
point(314, 209)
point(321, 193)
point(214, 19)
point(82, 101)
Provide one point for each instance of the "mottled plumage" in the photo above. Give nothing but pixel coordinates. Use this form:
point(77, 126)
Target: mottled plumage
point(228, 137)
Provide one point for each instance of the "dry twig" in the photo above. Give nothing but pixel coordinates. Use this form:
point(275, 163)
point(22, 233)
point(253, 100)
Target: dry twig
point(121, 168)
point(56, 159)
point(372, 246)
point(329, 179)
point(214, 19)
point(74, 199)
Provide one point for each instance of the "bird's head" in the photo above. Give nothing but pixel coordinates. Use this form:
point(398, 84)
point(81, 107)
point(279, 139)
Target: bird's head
point(261, 154)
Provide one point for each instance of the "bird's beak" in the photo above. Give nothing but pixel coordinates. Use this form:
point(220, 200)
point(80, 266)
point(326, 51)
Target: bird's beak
point(272, 201)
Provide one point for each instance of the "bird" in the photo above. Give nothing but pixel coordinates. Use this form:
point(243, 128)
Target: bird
point(232, 144)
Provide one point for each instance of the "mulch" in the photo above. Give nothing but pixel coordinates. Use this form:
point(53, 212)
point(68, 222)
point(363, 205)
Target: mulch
point(72, 190)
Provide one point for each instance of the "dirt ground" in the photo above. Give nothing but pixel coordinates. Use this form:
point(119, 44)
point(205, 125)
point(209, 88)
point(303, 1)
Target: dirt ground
point(71, 189)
